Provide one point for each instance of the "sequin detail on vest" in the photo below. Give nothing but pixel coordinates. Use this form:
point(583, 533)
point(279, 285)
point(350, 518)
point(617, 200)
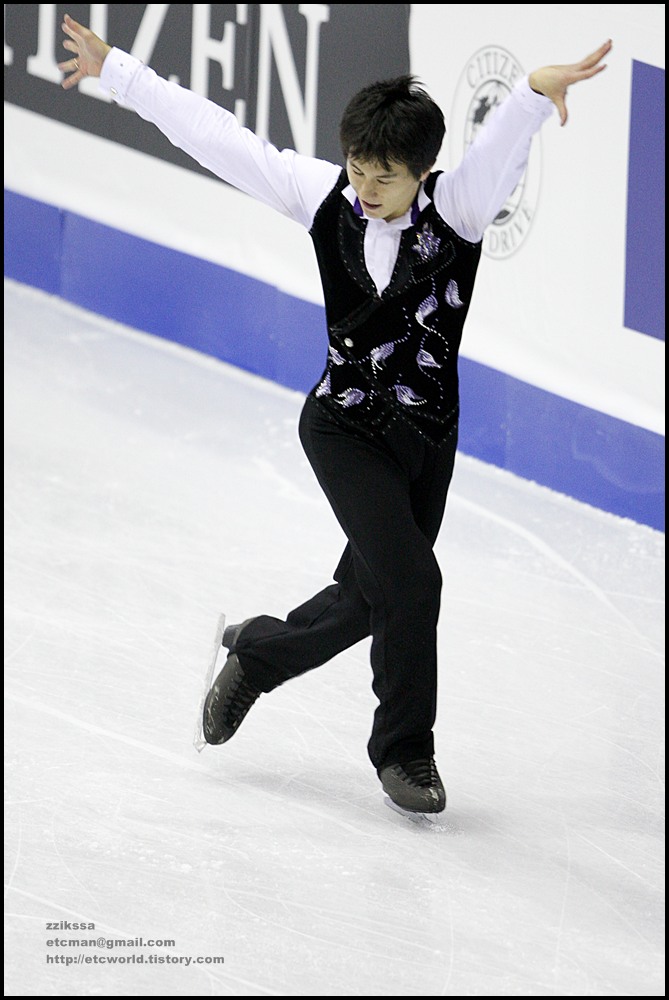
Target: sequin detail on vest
point(394, 355)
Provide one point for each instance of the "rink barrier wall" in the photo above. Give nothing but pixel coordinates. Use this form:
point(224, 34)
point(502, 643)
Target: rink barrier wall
point(572, 449)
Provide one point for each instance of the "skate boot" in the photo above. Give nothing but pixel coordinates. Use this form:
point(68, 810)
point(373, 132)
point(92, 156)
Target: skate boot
point(415, 787)
point(231, 696)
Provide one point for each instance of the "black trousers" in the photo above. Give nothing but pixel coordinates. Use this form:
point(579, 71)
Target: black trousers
point(388, 492)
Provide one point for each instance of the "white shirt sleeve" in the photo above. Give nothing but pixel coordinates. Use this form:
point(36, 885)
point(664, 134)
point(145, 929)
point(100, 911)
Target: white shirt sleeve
point(470, 197)
point(293, 184)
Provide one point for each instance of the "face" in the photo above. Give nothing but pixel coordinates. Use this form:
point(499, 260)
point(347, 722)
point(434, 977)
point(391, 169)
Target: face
point(383, 194)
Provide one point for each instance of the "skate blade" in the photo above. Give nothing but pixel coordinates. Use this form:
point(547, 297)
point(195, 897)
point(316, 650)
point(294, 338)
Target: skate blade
point(420, 819)
point(199, 741)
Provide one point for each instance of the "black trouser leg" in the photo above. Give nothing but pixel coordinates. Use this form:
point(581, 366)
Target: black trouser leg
point(272, 651)
point(388, 494)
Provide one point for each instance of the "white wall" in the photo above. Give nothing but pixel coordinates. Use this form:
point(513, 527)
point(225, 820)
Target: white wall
point(552, 313)
point(548, 310)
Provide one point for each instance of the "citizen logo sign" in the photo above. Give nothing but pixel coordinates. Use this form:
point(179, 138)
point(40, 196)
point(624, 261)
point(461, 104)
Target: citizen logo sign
point(208, 52)
point(285, 70)
point(485, 82)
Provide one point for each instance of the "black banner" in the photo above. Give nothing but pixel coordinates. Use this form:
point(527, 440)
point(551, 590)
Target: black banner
point(286, 70)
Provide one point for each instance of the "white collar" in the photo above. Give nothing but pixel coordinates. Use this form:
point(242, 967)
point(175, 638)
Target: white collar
point(404, 221)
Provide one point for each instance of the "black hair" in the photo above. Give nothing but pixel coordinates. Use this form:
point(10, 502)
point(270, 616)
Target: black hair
point(393, 120)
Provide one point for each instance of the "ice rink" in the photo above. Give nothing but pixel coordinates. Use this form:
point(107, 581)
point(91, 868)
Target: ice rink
point(147, 490)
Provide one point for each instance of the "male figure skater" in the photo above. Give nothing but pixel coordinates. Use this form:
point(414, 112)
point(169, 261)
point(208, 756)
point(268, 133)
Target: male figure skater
point(398, 246)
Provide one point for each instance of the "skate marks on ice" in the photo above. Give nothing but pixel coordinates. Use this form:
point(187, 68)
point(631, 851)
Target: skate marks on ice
point(568, 566)
point(432, 822)
point(127, 532)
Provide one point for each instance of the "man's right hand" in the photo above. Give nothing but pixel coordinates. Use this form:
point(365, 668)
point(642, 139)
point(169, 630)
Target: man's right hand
point(89, 53)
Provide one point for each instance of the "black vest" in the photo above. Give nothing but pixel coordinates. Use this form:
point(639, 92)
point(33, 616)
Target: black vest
point(393, 355)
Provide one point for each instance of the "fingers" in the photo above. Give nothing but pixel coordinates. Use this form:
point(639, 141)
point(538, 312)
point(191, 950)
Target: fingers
point(588, 67)
point(584, 70)
point(72, 80)
point(76, 75)
point(72, 44)
point(591, 61)
point(69, 26)
point(599, 53)
point(69, 66)
point(586, 74)
point(562, 110)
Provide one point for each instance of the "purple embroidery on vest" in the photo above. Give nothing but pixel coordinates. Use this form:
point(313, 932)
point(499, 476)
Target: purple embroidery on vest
point(381, 354)
point(406, 395)
point(426, 360)
point(425, 309)
point(452, 295)
point(324, 388)
point(427, 244)
point(350, 397)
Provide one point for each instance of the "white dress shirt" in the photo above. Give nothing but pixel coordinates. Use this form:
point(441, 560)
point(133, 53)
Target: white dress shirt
point(467, 198)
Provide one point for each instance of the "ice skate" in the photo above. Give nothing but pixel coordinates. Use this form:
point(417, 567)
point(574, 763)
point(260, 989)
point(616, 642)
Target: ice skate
point(231, 696)
point(415, 789)
point(199, 741)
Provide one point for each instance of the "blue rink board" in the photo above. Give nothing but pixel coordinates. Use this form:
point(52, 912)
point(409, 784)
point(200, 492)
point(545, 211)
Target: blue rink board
point(585, 454)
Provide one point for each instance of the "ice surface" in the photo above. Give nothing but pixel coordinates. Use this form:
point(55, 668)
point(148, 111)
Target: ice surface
point(147, 490)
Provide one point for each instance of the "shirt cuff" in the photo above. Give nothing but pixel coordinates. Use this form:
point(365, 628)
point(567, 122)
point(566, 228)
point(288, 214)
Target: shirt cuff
point(117, 73)
point(536, 104)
